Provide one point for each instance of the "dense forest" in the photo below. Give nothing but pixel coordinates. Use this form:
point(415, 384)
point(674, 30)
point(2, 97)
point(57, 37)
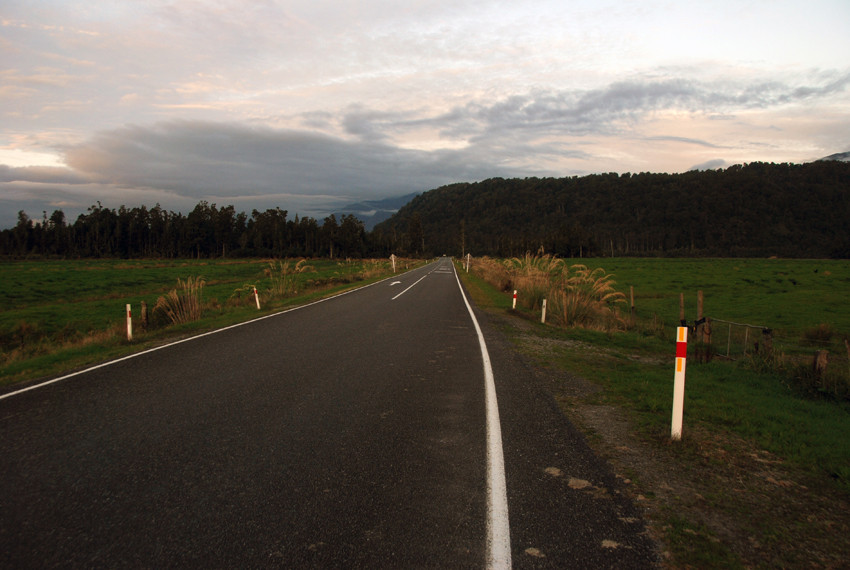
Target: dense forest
point(207, 231)
point(758, 209)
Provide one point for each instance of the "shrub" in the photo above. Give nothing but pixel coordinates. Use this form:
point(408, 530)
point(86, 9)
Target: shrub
point(819, 335)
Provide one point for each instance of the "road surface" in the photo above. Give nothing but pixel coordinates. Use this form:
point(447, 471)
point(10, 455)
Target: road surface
point(349, 433)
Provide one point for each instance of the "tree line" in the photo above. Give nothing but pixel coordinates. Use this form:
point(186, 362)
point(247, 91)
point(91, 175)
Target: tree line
point(207, 231)
point(756, 209)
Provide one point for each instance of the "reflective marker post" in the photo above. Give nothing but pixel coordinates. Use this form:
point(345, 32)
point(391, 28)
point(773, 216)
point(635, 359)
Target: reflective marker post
point(679, 383)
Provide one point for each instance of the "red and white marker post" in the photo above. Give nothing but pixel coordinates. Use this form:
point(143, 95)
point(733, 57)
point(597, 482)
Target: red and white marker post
point(514, 298)
point(679, 383)
point(129, 323)
point(256, 298)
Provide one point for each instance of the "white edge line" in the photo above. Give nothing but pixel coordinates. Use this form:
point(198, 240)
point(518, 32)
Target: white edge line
point(498, 525)
point(135, 354)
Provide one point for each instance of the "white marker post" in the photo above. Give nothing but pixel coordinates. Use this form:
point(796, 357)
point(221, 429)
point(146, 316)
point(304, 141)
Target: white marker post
point(129, 323)
point(514, 307)
point(392, 258)
point(467, 262)
point(256, 298)
point(543, 316)
point(679, 383)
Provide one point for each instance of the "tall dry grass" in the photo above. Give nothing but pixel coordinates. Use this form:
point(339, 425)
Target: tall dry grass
point(369, 268)
point(493, 272)
point(283, 276)
point(576, 295)
point(183, 304)
point(587, 298)
point(536, 276)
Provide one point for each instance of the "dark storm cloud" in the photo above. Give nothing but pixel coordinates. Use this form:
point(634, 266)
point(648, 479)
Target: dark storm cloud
point(40, 174)
point(201, 159)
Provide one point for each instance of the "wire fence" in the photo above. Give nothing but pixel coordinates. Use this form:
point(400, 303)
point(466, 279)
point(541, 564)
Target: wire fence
point(736, 340)
point(817, 358)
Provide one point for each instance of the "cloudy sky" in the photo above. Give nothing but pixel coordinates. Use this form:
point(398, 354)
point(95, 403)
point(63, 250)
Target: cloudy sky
point(312, 104)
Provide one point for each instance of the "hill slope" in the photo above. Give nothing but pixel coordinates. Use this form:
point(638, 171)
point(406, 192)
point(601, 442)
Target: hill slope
point(759, 209)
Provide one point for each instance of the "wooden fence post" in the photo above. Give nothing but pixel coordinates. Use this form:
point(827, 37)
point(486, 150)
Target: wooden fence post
point(698, 327)
point(632, 301)
point(819, 364)
point(767, 337)
point(681, 307)
point(144, 315)
point(847, 346)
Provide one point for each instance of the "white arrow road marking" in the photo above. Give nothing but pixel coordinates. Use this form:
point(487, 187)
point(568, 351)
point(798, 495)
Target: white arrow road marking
point(395, 283)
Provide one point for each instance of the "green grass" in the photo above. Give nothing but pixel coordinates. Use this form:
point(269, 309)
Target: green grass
point(59, 315)
point(760, 407)
point(91, 294)
point(695, 546)
point(788, 295)
point(636, 369)
point(742, 425)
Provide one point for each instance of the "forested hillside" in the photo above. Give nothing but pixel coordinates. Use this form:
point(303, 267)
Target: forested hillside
point(758, 209)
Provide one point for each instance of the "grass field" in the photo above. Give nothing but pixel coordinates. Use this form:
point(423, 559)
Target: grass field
point(787, 295)
point(792, 297)
point(57, 315)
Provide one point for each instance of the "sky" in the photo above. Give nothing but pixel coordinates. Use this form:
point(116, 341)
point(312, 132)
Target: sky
point(309, 105)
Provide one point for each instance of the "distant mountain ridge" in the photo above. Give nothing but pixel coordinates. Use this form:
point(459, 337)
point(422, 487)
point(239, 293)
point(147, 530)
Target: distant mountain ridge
point(372, 212)
point(842, 156)
point(751, 210)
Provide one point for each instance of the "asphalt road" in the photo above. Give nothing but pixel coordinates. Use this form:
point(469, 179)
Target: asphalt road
point(349, 433)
